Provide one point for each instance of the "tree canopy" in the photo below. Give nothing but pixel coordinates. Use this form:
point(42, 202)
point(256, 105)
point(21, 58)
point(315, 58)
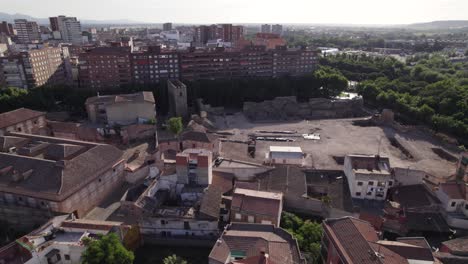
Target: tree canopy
point(429, 89)
point(175, 125)
point(174, 259)
point(106, 250)
point(307, 233)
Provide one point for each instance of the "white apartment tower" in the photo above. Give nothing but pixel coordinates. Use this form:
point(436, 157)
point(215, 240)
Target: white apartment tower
point(69, 28)
point(27, 31)
point(266, 28)
point(277, 29)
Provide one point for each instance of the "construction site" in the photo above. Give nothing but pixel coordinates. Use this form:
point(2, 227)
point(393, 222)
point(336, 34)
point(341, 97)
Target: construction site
point(325, 142)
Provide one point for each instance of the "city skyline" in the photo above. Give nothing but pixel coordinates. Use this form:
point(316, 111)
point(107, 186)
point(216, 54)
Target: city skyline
point(243, 11)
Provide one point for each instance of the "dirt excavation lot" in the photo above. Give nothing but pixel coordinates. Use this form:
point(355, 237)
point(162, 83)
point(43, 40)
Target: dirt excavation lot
point(414, 149)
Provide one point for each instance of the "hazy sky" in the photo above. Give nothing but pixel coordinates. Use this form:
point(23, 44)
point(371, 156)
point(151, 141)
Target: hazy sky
point(248, 11)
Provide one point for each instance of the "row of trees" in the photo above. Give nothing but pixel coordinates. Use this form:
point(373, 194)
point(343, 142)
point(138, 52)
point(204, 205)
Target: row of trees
point(307, 233)
point(430, 90)
point(64, 98)
point(324, 82)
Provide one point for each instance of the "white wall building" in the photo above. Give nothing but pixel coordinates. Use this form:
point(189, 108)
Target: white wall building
point(369, 176)
point(285, 155)
point(454, 199)
point(70, 29)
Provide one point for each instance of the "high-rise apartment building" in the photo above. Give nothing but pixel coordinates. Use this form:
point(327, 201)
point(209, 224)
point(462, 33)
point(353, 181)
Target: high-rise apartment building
point(105, 68)
point(27, 31)
point(167, 26)
point(108, 67)
point(277, 29)
point(154, 65)
point(202, 34)
point(69, 28)
point(6, 28)
point(237, 33)
point(54, 24)
point(266, 28)
point(33, 68)
point(225, 32)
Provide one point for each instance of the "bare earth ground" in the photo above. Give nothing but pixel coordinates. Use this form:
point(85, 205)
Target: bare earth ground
point(338, 138)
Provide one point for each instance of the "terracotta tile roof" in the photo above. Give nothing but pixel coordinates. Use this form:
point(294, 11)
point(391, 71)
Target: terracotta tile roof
point(416, 241)
point(375, 220)
point(252, 239)
point(257, 202)
point(211, 202)
point(290, 180)
point(407, 251)
point(223, 180)
point(454, 190)
point(457, 246)
point(59, 167)
point(90, 224)
point(351, 238)
point(385, 255)
point(357, 242)
point(17, 116)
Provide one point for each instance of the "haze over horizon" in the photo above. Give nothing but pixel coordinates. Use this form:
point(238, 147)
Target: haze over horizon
point(375, 12)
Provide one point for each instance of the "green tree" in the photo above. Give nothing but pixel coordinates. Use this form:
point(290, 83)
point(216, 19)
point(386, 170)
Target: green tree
point(174, 259)
point(333, 82)
point(106, 250)
point(307, 233)
point(175, 125)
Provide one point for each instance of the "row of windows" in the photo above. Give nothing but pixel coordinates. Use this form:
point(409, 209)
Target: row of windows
point(379, 183)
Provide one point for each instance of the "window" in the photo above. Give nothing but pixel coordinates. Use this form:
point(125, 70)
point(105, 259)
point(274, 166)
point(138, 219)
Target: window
point(67, 257)
point(359, 183)
point(453, 204)
point(371, 183)
point(238, 216)
point(466, 206)
point(358, 194)
point(251, 219)
point(390, 183)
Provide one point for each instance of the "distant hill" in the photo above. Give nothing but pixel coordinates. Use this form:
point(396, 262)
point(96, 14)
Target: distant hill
point(442, 24)
point(45, 21)
point(11, 17)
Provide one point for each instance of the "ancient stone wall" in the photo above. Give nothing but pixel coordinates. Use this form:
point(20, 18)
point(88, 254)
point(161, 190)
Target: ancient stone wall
point(284, 108)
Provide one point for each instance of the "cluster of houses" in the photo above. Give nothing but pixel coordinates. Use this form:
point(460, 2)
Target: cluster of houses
point(183, 192)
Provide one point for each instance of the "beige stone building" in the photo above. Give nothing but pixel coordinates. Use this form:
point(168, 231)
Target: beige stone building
point(22, 120)
point(50, 175)
point(122, 109)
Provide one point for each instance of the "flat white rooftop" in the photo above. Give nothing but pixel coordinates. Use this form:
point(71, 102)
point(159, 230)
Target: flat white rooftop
point(262, 194)
point(285, 149)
